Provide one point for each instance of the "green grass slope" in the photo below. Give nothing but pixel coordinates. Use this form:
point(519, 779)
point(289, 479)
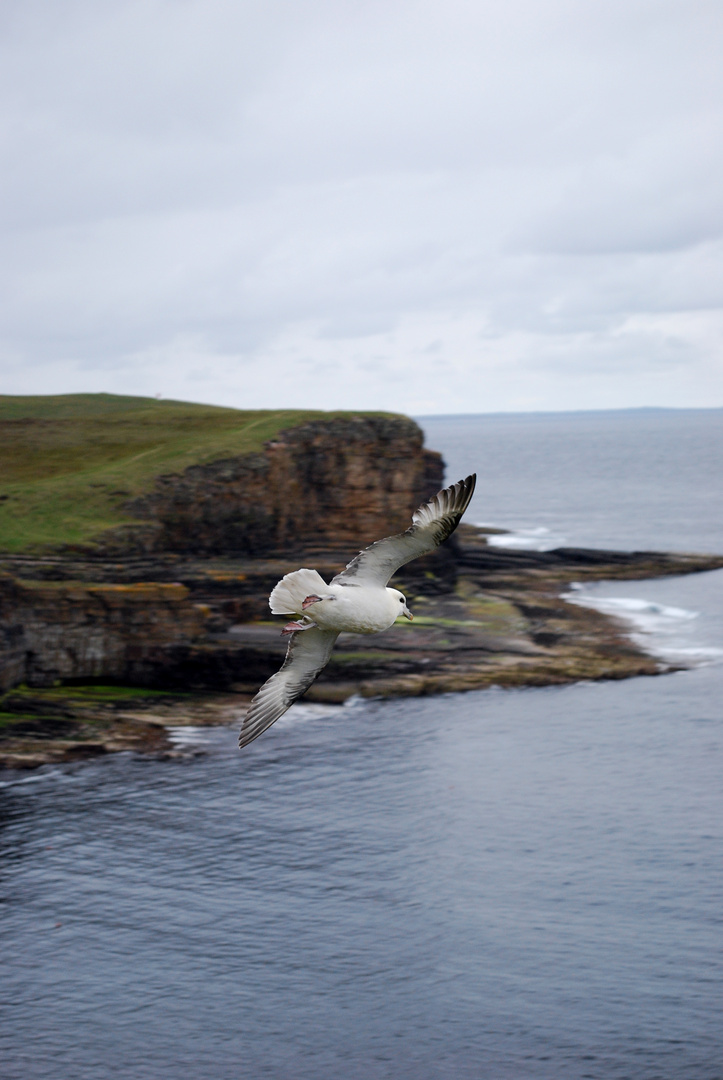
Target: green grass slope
point(68, 463)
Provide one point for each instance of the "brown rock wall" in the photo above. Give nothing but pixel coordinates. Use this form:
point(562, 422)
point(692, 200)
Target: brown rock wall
point(341, 483)
point(337, 484)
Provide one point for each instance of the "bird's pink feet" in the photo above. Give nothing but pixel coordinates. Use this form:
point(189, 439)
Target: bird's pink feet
point(309, 601)
point(292, 626)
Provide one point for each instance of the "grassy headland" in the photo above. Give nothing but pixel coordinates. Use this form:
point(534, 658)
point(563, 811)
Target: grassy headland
point(69, 463)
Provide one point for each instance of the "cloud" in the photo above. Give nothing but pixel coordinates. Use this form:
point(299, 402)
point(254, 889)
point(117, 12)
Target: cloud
point(279, 205)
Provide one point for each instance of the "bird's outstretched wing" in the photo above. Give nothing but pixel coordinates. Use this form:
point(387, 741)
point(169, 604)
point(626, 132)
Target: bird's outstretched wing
point(308, 653)
point(431, 524)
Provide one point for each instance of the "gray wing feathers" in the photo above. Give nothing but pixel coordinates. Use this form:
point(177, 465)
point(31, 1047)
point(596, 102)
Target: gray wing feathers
point(308, 653)
point(432, 523)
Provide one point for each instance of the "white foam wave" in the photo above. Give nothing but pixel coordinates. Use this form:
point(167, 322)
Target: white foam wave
point(188, 736)
point(316, 710)
point(646, 614)
point(537, 539)
point(662, 630)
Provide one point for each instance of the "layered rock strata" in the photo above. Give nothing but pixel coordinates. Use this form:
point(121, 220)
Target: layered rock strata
point(342, 481)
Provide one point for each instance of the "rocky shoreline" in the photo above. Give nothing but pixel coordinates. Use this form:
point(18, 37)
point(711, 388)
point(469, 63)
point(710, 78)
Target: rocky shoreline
point(484, 616)
point(164, 620)
point(77, 723)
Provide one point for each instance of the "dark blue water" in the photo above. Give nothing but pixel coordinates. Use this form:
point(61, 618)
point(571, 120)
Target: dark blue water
point(641, 478)
point(505, 884)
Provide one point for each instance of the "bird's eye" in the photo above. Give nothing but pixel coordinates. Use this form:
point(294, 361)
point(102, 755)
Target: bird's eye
point(401, 599)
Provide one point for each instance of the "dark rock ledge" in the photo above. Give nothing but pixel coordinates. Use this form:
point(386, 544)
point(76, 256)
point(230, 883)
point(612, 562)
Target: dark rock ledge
point(99, 655)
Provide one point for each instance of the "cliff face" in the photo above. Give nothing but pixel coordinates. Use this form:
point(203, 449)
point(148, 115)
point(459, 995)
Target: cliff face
point(127, 632)
point(334, 485)
point(341, 483)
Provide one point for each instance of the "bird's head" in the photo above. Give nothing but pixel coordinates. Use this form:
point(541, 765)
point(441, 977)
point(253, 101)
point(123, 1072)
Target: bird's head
point(401, 603)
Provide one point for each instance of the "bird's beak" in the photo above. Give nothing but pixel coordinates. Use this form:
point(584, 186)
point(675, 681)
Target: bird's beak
point(408, 613)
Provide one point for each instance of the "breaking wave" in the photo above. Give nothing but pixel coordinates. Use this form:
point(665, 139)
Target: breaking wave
point(666, 632)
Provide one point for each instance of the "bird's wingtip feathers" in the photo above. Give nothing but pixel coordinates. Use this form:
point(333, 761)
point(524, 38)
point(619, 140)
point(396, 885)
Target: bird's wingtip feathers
point(450, 502)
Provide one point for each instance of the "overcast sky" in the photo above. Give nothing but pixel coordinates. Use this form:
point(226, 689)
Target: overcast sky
point(429, 207)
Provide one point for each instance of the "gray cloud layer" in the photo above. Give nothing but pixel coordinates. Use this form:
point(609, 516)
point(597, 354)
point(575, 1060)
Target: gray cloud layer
point(423, 206)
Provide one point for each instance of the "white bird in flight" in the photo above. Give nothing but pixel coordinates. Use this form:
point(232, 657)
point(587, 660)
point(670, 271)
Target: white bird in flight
point(357, 600)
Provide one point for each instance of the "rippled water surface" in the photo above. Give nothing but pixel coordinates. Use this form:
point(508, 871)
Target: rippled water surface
point(508, 884)
point(642, 478)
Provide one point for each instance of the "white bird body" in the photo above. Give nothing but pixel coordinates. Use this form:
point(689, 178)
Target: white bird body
point(358, 600)
point(349, 607)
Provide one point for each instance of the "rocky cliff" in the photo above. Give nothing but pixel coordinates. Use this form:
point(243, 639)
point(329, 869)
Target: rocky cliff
point(340, 483)
point(117, 611)
point(52, 632)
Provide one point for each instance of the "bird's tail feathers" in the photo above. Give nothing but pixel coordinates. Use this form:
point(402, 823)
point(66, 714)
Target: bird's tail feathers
point(288, 596)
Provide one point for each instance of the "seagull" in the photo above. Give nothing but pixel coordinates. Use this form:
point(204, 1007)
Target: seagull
point(357, 600)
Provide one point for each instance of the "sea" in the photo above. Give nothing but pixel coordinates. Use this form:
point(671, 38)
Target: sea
point(511, 884)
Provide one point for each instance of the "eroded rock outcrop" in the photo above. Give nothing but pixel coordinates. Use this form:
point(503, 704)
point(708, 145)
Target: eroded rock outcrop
point(341, 482)
point(123, 632)
point(113, 611)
